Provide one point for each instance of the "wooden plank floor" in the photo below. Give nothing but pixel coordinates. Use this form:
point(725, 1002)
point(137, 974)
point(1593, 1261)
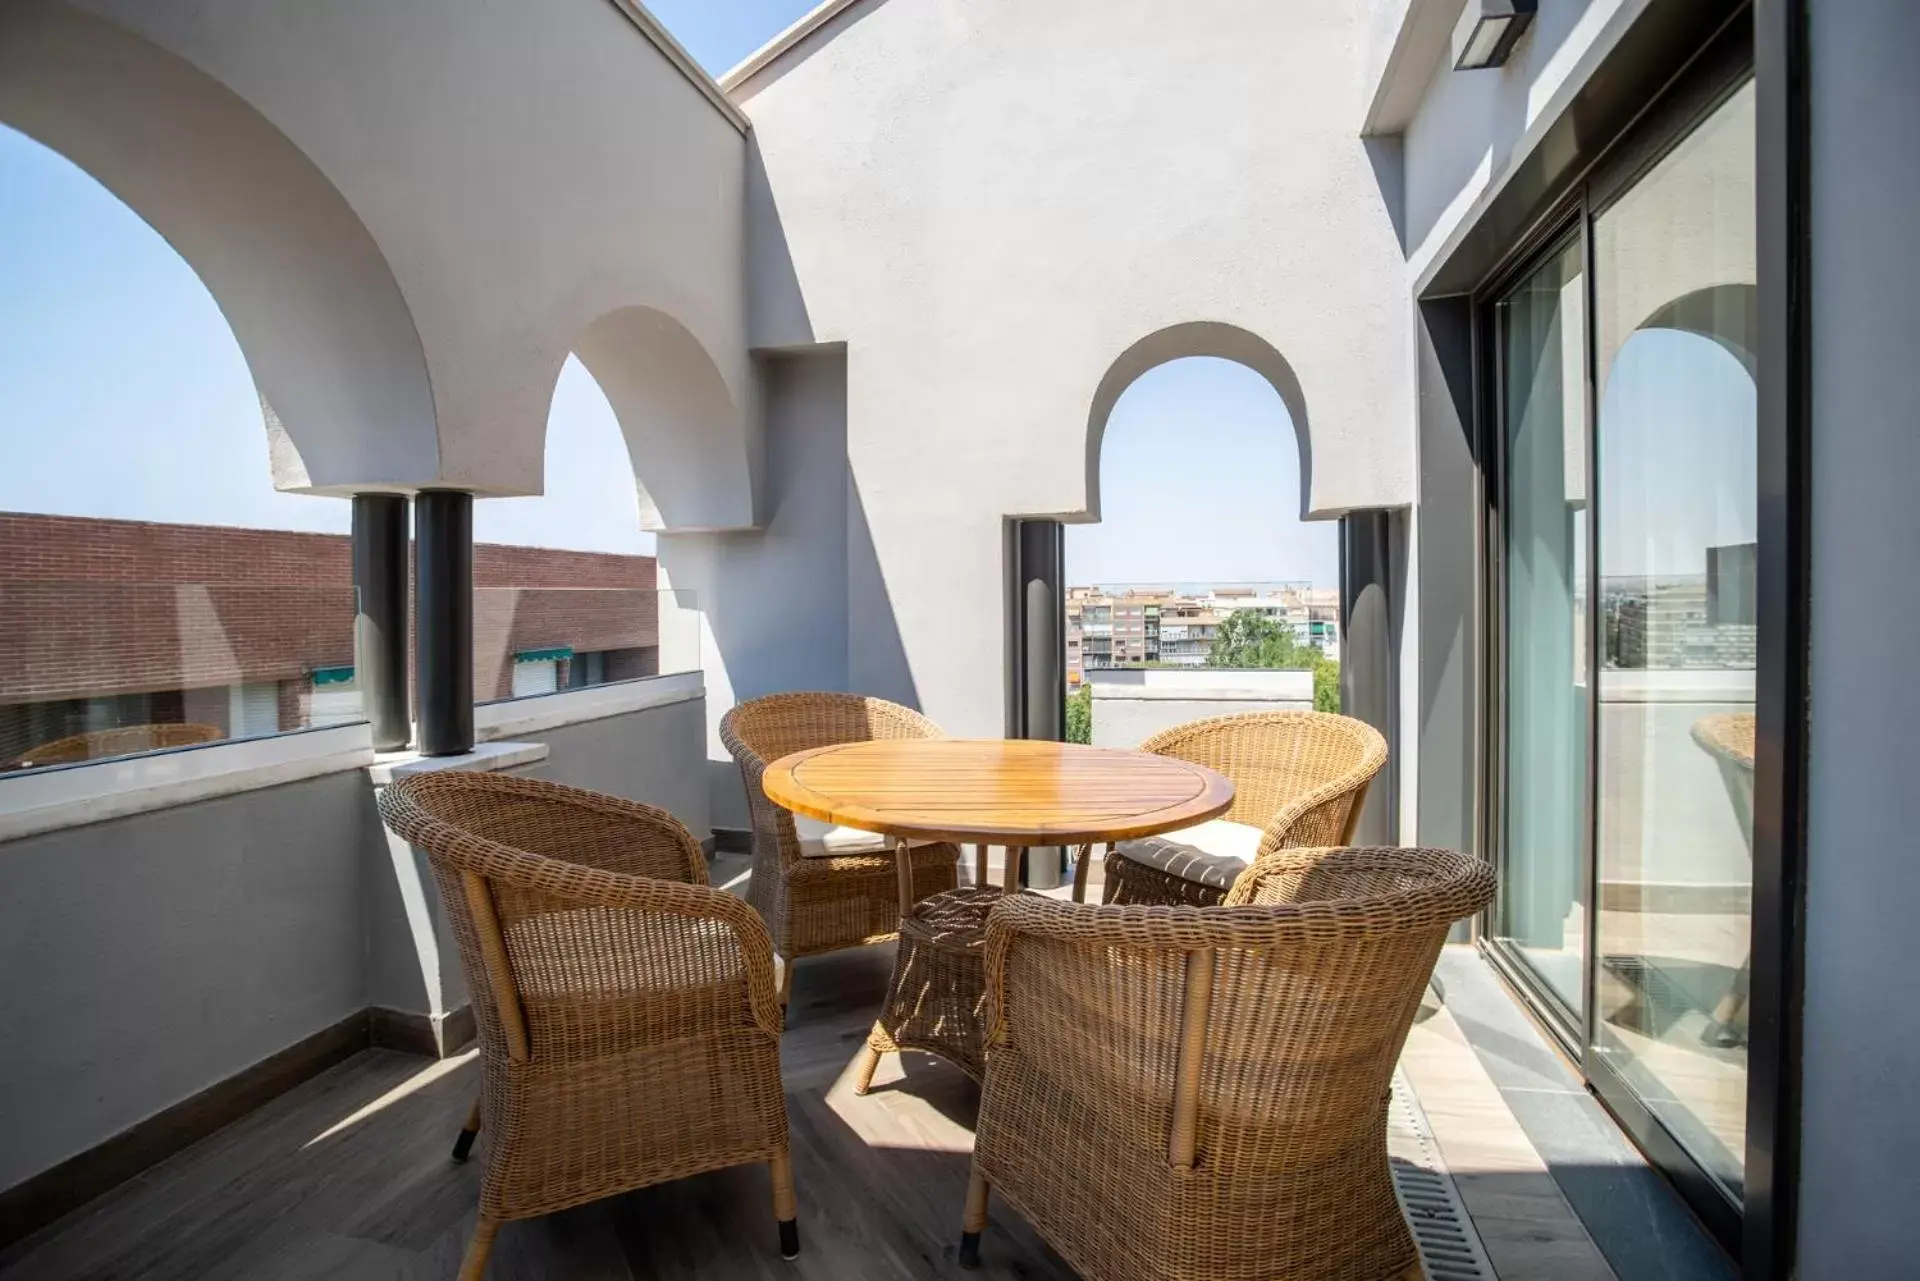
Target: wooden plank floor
point(348, 1176)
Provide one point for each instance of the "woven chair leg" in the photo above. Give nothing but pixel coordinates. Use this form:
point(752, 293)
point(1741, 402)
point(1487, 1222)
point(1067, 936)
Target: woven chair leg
point(975, 1220)
point(784, 1213)
point(863, 1075)
point(479, 1249)
point(464, 1143)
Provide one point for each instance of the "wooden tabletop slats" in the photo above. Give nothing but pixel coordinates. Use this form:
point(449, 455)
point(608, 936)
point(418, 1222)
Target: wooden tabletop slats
point(1006, 792)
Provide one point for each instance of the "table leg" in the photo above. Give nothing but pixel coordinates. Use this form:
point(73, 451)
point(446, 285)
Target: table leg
point(980, 864)
point(1080, 861)
point(1012, 877)
point(903, 865)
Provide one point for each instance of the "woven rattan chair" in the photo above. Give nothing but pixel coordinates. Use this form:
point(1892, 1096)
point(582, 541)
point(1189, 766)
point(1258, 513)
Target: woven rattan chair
point(101, 743)
point(815, 904)
point(1299, 777)
point(1200, 1094)
point(628, 1018)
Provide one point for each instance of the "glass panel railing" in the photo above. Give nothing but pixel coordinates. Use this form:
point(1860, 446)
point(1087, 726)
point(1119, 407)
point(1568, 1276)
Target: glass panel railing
point(92, 670)
point(529, 641)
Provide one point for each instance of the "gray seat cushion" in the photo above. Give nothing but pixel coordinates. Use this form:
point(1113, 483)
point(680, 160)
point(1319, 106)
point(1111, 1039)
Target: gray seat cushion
point(1212, 853)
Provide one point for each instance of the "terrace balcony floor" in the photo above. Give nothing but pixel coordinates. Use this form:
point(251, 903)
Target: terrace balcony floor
point(348, 1175)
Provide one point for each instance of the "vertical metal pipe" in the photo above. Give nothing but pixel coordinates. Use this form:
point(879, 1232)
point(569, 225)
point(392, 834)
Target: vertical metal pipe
point(1041, 605)
point(380, 616)
point(443, 587)
point(1368, 690)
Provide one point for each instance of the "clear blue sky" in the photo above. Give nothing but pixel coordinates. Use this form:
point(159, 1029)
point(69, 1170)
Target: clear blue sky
point(123, 393)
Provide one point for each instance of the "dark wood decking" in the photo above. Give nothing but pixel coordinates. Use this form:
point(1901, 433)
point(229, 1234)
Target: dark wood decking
point(348, 1176)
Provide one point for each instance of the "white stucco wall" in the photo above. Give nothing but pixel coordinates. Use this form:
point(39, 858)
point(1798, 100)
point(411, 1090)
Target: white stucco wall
point(1473, 127)
point(523, 170)
point(991, 202)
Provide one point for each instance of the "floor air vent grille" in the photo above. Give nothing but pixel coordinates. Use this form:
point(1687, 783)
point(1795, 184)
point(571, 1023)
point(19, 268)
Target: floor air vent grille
point(1449, 1247)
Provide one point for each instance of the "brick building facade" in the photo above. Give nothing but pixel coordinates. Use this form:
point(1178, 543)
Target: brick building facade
point(109, 622)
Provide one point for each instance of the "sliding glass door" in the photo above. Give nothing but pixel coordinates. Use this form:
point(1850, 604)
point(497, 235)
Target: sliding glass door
point(1540, 333)
point(1623, 570)
point(1673, 261)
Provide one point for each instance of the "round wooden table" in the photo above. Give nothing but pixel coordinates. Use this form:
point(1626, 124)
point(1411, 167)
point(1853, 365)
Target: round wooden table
point(1012, 792)
point(1015, 793)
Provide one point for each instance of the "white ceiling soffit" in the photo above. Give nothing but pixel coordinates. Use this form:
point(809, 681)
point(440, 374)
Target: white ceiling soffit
point(1421, 45)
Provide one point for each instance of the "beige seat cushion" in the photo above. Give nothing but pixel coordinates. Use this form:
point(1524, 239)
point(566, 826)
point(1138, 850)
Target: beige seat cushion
point(824, 840)
point(1210, 853)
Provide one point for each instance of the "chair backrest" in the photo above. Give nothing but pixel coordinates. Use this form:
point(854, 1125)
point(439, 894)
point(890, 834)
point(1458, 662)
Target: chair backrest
point(763, 730)
point(1278, 760)
point(507, 850)
point(768, 728)
point(1271, 1027)
point(97, 744)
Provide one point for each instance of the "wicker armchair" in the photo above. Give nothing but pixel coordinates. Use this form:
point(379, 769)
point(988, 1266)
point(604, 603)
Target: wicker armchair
point(101, 743)
point(1200, 1094)
point(628, 1019)
point(816, 904)
point(1299, 777)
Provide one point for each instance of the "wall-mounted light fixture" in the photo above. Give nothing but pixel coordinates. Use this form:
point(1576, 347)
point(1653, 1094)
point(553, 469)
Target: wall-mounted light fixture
point(1487, 32)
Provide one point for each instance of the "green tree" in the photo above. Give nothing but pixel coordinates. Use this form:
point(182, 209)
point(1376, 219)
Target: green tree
point(1326, 684)
point(1080, 714)
point(1250, 640)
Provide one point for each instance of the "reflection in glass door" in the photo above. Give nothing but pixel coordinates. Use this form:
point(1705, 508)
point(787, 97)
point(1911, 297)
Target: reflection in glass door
point(1675, 308)
point(1540, 332)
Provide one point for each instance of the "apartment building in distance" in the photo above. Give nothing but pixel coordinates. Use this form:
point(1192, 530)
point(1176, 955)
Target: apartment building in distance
point(1175, 625)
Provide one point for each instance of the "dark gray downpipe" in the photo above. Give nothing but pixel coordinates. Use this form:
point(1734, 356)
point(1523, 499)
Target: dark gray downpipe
point(1040, 690)
point(443, 587)
point(1368, 689)
point(380, 617)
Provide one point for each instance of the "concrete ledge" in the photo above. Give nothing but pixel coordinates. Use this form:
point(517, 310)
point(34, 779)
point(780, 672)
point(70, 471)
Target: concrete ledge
point(484, 758)
point(1211, 694)
point(519, 717)
point(47, 800)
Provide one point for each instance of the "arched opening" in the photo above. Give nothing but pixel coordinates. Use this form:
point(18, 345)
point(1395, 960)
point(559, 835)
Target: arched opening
point(1199, 338)
point(694, 457)
point(1198, 586)
point(328, 338)
point(566, 593)
point(158, 590)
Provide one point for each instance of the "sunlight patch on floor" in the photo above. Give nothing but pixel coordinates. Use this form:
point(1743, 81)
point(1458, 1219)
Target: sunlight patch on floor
point(418, 1081)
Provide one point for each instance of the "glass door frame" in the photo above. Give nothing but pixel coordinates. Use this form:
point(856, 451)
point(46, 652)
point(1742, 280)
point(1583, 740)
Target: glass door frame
point(1720, 68)
point(1566, 227)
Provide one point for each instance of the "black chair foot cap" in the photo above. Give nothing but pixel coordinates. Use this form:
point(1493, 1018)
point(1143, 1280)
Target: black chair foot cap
point(464, 1144)
point(969, 1250)
point(789, 1239)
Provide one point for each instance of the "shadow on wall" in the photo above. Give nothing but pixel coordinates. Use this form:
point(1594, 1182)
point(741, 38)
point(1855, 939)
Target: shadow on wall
point(1472, 121)
point(799, 604)
point(776, 308)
